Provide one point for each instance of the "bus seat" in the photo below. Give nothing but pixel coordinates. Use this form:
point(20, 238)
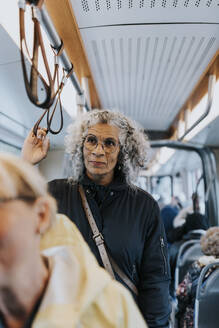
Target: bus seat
point(207, 299)
point(189, 252)
point(194, 234)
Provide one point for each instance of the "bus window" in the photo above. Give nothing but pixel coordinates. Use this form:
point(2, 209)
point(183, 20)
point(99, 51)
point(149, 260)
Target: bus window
point(180, 175)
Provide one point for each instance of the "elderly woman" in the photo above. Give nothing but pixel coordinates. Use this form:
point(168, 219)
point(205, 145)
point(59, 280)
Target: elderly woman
point(186, 291)
point(62, 286)
point(108, 150)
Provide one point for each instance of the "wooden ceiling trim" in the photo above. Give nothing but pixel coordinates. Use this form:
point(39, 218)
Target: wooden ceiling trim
point(64, 20)
point(198, 92)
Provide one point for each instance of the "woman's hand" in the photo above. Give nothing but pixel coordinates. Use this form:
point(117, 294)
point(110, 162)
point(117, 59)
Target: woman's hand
point(35, 148)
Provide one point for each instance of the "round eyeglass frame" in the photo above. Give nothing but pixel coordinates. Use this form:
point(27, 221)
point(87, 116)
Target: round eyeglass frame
point(107, 150)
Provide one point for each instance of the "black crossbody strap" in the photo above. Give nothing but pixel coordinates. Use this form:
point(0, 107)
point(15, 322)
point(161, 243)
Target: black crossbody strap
point(99, 240)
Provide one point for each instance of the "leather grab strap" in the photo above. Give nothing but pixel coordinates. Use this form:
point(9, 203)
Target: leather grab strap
point(123, 276)
point(51, 96)
point(99, 240)
point(97, 236)
point(35, 75)
point(47, 111)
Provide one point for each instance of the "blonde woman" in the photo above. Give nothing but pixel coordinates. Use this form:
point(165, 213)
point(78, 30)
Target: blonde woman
point(60, 285)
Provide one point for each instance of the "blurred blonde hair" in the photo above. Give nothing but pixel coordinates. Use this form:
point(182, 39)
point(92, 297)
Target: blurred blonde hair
point(210, 242)
point(19, 179)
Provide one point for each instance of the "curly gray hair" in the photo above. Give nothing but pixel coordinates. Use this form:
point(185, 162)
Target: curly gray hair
point(133, 141)
point(210, 242)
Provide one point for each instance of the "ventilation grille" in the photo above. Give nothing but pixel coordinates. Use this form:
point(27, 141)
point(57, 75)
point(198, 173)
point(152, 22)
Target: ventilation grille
point(102, 5)
point(148, 73)
point(85, 6)
point(97, 4)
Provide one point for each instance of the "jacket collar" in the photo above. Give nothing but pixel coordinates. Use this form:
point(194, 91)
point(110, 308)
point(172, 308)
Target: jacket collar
point(117, 184)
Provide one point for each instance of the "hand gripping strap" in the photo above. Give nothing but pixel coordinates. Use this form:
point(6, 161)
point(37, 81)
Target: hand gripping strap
point(99, 240)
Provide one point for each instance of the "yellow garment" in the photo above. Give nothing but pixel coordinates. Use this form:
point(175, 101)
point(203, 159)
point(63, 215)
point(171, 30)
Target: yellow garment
point(81, 294)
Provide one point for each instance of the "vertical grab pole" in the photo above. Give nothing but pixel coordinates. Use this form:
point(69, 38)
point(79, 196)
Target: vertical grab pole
point(86, 89)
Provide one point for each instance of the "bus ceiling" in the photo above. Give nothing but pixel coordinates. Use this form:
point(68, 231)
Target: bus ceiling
point(151, 60)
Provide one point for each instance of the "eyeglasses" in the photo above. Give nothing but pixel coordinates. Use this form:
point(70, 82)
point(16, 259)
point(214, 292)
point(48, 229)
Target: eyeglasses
point(10, 199)
point(109, 145)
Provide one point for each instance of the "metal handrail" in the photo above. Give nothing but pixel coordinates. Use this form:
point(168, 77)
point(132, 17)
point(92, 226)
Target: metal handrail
point(202, 275)
point(211, 85)
point(199, 289)
point(182, 248)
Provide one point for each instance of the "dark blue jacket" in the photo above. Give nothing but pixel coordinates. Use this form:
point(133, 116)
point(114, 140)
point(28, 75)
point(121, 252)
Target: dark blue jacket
point(168, 213)
point(134, 236)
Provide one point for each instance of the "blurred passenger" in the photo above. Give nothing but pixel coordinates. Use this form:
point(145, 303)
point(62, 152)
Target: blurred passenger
point(180, 219)
point(107, 151)
point(169, 212)
point(189, 224)
point(193, 228)
point(194, 221)
point(186, 291)
point(62, 286)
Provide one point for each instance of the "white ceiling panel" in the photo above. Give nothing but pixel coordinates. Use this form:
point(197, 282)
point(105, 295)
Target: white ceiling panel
point(9, 53)
point(92, 13)
point(148, 71)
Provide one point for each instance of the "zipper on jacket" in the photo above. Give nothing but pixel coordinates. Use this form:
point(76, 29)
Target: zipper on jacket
point(162, 245)
point(134, 271)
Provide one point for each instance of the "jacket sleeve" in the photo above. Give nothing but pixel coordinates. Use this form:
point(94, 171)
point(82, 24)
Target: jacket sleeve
point(153, 297)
